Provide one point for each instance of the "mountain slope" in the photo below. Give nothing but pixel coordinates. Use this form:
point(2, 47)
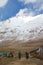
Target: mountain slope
point(22, 29)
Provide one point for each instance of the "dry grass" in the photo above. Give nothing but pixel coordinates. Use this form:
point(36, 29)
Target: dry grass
point(23, 61)
point(23, 47)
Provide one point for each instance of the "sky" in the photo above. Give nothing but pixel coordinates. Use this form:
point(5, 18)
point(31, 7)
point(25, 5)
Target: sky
point(13, 8)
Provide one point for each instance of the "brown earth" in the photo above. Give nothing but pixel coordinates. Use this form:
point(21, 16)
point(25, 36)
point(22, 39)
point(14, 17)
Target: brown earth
point(23, 47)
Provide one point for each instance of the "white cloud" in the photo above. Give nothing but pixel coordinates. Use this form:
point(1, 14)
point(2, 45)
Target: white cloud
point(37, 7)
point(31, 1)
point(25, 12)
point(3, 2)
point(28, 1)
point(22, 12)
point(41, 7)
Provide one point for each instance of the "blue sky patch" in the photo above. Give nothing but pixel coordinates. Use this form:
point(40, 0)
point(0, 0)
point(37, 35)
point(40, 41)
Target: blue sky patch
point(14, 6)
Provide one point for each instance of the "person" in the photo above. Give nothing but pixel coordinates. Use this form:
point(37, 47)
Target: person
point(10, 54)
point(19, 55)
point(27, 55)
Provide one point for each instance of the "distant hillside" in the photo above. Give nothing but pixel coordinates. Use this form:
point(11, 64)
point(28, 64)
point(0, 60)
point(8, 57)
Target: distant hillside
point(21, 29)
